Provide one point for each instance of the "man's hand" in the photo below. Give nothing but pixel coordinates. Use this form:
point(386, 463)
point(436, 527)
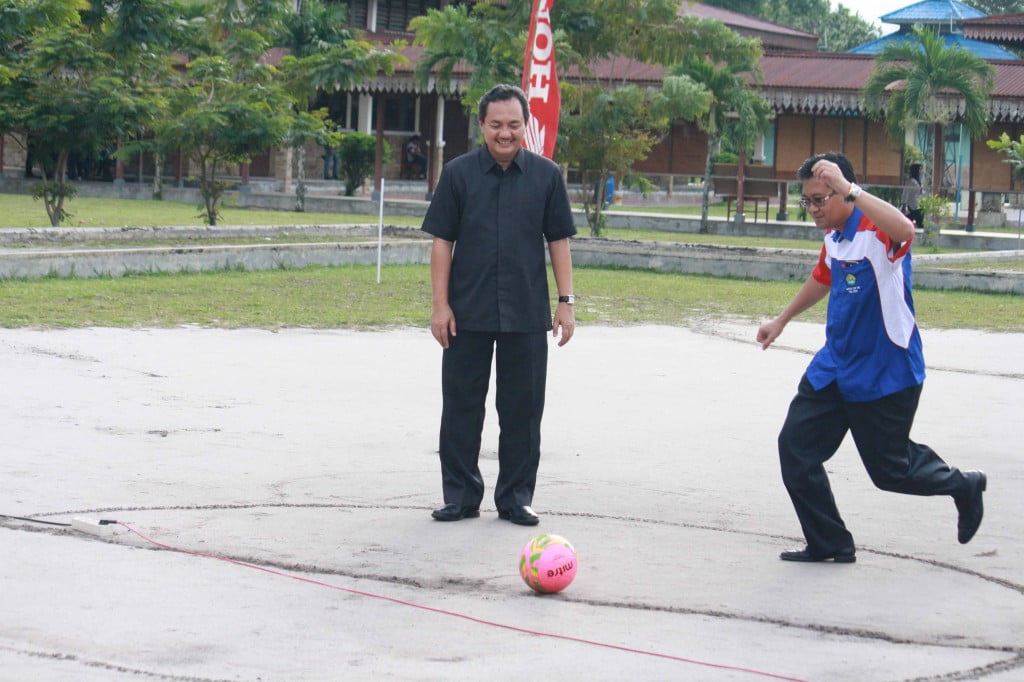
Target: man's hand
point(830, 173)
point(442, 324)
point(768, 332)
point(565, 320)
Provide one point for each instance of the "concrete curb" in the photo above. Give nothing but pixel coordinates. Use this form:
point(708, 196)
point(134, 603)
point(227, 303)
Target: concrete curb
point(327, 200)
point(172, 259)
point(720, 261)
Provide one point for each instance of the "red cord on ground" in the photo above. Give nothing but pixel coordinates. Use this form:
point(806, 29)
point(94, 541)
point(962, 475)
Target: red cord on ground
point(456, 614)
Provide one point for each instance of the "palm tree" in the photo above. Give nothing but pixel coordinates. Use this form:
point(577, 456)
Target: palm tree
point(325, 55)
point(921, 80)
point(486, 35)
point(737, 113)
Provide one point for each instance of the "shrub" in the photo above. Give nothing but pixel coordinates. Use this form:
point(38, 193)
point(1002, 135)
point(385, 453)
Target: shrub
point(357, 152)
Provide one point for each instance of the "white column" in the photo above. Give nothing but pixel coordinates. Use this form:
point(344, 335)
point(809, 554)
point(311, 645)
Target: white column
point(759, 150)
point(438, 147)
point(366, 114)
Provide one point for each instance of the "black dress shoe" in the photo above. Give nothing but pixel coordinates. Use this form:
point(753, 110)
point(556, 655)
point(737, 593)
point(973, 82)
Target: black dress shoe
point(453, 512)
point(847, 555)
point(522, 515)
point(970, 507)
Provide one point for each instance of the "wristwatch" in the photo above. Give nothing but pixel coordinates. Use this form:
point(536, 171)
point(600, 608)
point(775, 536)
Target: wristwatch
point(570, 299)
point(854, 192)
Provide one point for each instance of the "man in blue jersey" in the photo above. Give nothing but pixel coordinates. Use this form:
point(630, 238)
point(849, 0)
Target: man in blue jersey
point(867, 378)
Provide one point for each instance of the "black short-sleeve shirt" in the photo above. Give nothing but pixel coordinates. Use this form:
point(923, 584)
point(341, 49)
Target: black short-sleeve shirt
point(499, 221)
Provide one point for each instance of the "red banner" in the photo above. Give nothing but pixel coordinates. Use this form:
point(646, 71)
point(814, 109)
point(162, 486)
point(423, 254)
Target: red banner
point(540, 82)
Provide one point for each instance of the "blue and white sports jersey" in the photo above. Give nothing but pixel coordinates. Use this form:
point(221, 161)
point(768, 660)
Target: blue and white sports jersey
point(872, 345)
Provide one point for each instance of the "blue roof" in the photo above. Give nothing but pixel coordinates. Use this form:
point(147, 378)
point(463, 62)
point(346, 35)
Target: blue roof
point(932, 11)
point(975, 47)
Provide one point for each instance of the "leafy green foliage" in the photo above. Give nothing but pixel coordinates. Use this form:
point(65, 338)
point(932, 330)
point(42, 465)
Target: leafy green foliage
point(66, 93)
point(488, 36)
point(325, 56)
point(838, 29)
point(316, 27)
point(84, 77)
point(357, 152)
point(991, 7)
point(736, 115)
point(224, 111)
point(909, 77)
point(912, 82)
point(606, 125)
point(1014, 150)
point(609, 129)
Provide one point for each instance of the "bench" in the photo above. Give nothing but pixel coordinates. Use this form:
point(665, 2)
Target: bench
point(757, 186)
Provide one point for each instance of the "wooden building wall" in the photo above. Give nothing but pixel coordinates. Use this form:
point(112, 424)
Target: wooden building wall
point(989, 170)
point(875, 158)
point(681, 152)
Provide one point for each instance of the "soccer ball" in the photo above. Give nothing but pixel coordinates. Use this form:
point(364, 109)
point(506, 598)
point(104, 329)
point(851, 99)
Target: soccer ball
point(548, 563)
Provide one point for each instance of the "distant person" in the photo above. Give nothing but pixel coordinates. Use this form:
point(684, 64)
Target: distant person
point(492, 212)
point(609, 191)
point(867, 378)
point(415, 157)
point(330, 163)
point(911, 202)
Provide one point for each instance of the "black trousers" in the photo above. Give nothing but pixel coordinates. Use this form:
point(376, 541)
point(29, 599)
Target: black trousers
point(815, 427)
point(521, 374)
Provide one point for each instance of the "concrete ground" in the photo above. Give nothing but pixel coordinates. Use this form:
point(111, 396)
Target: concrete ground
point(310, 456)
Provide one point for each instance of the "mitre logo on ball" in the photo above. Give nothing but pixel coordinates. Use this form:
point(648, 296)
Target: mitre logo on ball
point(548, 563)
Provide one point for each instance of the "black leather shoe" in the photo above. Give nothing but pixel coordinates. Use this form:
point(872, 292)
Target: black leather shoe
point(453, 512)
point(847, 555)
point(522, 515)
point(970, 507)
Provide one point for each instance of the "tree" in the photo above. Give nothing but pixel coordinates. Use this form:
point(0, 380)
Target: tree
point(752, 8)
point(232, 104)
point(140, 35)
point(65, 93)
point(923, 81)
point(223, 112)
point(992, 7)
point(314, 27)
point(608, 130)
point(358, 151)
point(324, 55)
point(837, 28)
point(607, 30)
point(1014, 150)
point(736, 113)
point(488, 36)
point(603, 130)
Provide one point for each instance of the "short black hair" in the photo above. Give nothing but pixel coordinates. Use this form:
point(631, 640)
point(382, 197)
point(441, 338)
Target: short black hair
point(804, 173)
point(500, 93)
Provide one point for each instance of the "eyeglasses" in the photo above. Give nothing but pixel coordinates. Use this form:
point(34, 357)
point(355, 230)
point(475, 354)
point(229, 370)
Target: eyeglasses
point(805, 202)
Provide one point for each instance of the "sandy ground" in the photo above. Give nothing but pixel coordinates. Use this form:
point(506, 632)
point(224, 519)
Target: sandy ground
point(313, 454)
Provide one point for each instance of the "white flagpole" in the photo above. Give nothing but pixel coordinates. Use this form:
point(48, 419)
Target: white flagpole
point(380, 229)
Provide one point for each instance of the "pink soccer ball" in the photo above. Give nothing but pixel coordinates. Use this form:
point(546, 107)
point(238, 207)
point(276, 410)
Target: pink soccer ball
point(548, 563)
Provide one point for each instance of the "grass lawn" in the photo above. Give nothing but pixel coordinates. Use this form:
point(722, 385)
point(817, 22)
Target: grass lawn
point(20, 210)
point(349, 296)
point(320, 297)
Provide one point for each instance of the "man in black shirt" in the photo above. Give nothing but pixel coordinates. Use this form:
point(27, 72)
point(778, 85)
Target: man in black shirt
point(498, 204)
